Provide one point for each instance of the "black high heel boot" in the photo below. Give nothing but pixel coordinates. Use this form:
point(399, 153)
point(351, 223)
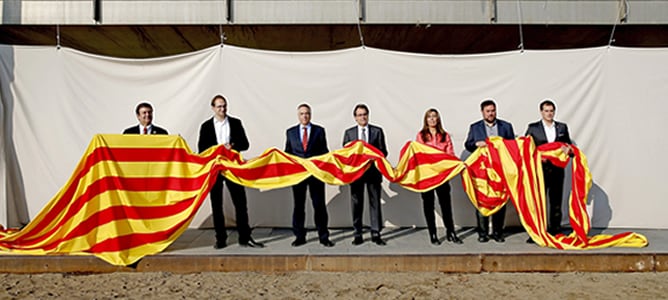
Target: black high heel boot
point(434, 239)
point(451, 236)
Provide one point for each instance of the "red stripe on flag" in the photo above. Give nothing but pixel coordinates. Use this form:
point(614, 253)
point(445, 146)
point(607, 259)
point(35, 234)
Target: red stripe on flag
point(126, 242)
point(109, 184)
point(119, 213)
point(267, 171)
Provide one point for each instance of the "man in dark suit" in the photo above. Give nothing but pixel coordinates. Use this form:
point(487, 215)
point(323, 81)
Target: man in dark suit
point(306, 140)
point(372, 178)
point(478, 133)
point(547, 130)
point(144, 113)
point(222, 129)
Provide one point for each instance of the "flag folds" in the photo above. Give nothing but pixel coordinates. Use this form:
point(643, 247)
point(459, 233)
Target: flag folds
point(133, 195)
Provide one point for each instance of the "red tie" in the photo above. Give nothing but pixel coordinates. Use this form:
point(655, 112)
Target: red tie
point(145, 130)
point(305, 139)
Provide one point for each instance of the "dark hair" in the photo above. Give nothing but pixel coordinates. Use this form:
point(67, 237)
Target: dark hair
point(358, 106)
point(304, 105)
point(219, 96)
point(547, 102)
point(425, 133)
point(142, 105)
point(487, 102)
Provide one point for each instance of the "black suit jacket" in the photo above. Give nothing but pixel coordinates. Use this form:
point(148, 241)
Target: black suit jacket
point(477, 132)
point(207, 135)
point(154, 130)
point(317, 142)
point(537, 131)
point(376, 138)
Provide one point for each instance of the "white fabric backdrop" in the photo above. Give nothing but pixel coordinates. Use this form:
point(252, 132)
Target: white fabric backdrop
point(54, 101)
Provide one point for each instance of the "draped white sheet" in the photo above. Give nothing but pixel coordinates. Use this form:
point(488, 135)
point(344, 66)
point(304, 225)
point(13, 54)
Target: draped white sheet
point(54, 101)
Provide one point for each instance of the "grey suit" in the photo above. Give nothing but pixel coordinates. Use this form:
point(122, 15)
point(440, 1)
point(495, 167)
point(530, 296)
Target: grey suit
point(552, 175)
point(372, 178)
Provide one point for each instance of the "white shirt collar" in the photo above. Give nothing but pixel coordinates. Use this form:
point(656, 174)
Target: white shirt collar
point(548, 126)
point(216, 121)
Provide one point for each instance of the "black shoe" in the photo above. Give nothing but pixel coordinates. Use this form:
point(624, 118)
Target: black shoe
point(251, 243)
point(298, 242)
point(483, 238)
point(451, 236)
point(555, 230)
point(433, 238)
point(219, 245)
point(327, 243)
point(530, 241)
point(498, 237)
point(379, 241)
point(358, 240)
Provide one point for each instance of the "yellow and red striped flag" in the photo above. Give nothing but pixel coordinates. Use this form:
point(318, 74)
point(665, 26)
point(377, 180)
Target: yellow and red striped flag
point(132, 195)
point(514, 168)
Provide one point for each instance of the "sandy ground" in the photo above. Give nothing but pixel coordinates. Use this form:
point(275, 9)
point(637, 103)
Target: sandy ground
point(312, 285)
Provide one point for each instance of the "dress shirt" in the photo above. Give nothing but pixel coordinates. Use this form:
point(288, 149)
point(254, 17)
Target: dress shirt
point(492, 130)
point(301, 131)
point(363, 135)
point(222, 131)
point(550, 131)
point(148, 129)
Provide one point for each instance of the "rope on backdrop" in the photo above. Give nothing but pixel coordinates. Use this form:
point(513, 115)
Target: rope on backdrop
point(58, 36)
point(519, 16)
point(619, 18)
point(360, 16)
point(223, 37)
point(221, 33)
point(62, 20)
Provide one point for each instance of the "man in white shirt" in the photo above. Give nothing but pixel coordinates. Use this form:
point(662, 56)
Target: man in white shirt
point(228, 131)
point(547, 130)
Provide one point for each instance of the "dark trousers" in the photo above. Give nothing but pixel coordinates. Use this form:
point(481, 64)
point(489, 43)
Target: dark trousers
point(443, 192)
point(317, 191)
point(238, 194)
point(497, 222)
point(357, 202)
point(554, 185)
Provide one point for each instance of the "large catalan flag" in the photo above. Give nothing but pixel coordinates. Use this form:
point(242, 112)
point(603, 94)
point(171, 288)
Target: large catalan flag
point(132, 196)
point(512, 169)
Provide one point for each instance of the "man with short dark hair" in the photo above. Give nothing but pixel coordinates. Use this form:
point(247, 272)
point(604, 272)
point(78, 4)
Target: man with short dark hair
point(306, 140)
point(144, 112)
point(478, 133)
point(372, 178)
point(548, 130)
point(223, 129)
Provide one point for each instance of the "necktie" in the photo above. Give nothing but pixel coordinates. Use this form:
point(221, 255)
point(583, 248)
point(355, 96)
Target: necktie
point(364, 135)
point(146, 130)
point(305, 139)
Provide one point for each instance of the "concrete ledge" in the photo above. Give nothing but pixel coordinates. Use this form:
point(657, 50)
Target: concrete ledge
point(661, 262)
point(464, 263)
point(57, 264)
point(467, 263)
point(569, 263)
point(223, 263)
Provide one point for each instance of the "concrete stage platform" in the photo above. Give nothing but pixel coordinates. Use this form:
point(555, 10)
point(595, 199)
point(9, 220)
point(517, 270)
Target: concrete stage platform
point(407, 250)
